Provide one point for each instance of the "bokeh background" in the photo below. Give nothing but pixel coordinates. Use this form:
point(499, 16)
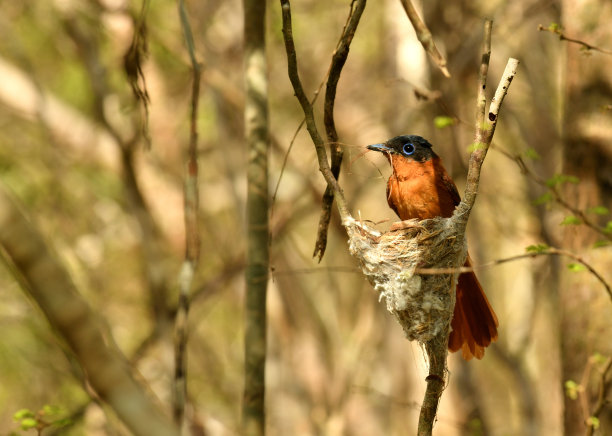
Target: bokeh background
point(338, 364)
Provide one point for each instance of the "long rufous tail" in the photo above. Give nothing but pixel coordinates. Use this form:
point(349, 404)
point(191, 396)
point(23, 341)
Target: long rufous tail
point(474, 324)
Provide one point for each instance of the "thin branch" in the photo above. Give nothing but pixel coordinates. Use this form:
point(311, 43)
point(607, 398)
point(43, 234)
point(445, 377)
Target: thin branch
point(485, 129)
point(557, 30)
point(550, 251)
point(308, 111)
point(424, 36)
point(132, 65)
point(335, 69)
point(192, 237)
point(602, 393)
point(557, 197)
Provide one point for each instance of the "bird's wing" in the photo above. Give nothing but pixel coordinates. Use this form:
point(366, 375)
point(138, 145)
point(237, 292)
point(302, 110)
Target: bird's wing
point(450, 186)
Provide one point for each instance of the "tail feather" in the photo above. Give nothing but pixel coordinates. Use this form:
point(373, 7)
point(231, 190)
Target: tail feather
point(474, 324)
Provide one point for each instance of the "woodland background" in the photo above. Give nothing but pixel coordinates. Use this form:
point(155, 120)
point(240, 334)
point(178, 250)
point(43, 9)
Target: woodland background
point(73, 155)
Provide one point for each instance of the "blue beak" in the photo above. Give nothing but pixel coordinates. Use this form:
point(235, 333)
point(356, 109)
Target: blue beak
point(380, 147)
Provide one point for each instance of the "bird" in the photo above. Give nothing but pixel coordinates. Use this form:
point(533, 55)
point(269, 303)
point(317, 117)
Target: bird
point(419, 187)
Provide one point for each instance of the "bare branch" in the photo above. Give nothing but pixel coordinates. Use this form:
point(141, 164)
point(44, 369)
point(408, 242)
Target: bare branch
point(602, 393)
point(436, 348)
point(424, 36)
point(192, 237)
point(307, 109)
point(335, 69)
point(132, 65)
point(485, 131)
point(556, 195)
point(550, 251)
point(557, 30)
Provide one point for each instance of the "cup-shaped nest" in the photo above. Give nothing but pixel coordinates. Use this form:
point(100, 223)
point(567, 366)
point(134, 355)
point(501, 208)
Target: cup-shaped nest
point(422, 302)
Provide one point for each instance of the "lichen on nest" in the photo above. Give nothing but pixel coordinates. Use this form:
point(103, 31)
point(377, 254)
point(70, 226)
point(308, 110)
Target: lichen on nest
point(422, 303)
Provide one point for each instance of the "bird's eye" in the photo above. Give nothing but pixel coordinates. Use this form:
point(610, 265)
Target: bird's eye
point(408, 148)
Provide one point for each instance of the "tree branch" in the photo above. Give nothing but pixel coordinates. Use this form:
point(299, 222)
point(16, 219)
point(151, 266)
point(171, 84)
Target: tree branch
point(335, 69)
point(424, 36)
point(311, 126)
point(484, 128)
point(437, 347)
point(549, 251)
point(602, 392)
point(42, 276)
point(557, 30)
point(556, 195)
point(132, 65)
point(192, 237)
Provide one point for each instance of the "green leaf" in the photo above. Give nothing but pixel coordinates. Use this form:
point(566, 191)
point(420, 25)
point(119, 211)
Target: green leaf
point(538, 248)
point(28, 423)
point(477, 146)
point(599, 358)
point(475, 426)
point(608, 228)
point(571, 389)
point(576, 267)
point(599, 210)
point(543, 199)
point(51, 410)
point(531, 153)
point(570, 220)
point(552, 27)
point(558, 179)
point(442, 121)
point(602, 243)
point(22, 414)
point(593, 421)
point(62, 422)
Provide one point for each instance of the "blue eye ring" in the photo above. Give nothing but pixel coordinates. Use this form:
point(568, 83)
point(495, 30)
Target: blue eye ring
point(408, 148)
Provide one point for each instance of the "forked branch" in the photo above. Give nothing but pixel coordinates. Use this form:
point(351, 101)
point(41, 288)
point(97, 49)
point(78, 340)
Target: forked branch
point(436, 348)
point(311, 126)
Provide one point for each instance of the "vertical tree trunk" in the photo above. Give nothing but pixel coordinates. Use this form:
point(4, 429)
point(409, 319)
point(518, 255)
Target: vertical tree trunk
point(256, 132)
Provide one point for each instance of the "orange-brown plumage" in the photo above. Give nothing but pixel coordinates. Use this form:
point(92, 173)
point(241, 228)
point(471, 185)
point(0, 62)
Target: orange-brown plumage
point(419, 187)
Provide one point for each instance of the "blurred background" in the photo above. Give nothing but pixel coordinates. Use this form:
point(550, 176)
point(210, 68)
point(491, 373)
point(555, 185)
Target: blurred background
point(73, 153)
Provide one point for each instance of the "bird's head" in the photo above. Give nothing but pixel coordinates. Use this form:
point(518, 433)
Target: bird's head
point(407, 146)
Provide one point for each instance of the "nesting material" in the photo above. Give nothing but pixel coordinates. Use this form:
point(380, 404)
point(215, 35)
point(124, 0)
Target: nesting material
point(422, 303)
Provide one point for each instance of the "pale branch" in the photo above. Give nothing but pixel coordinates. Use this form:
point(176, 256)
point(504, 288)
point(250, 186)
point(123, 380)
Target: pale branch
point(484, 136)
point(311, 126)
point(481, 99)
point(335, 69)
point(424, 36)
point(192, 237)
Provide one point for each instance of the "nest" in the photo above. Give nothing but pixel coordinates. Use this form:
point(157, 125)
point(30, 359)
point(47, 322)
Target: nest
point(422, 303)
